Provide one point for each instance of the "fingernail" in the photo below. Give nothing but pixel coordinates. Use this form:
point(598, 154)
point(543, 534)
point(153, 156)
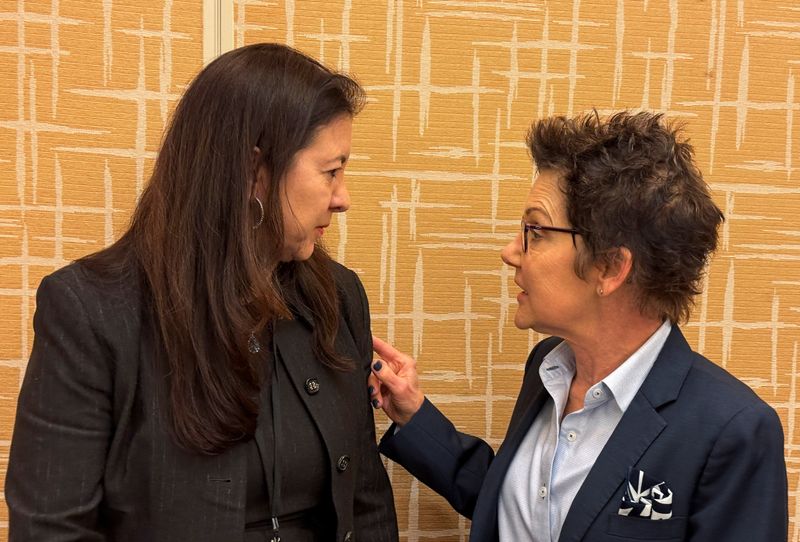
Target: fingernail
point(377, 366)
point(375, 403)
point(371, 390)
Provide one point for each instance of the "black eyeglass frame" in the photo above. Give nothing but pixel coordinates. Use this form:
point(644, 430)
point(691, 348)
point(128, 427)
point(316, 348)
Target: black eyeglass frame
point(538, 227)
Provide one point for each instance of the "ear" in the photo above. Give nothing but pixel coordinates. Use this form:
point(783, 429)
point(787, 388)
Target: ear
point(614, 270)
point(259, 175)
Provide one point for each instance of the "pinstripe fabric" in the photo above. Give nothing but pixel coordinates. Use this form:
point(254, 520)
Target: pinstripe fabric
point(92, 458)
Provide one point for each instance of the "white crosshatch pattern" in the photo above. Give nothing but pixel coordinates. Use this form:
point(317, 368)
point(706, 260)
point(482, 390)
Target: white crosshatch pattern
point(88, 88)
point(439, 168)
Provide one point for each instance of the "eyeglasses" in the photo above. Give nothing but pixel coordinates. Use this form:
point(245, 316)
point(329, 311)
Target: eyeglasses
point(526, 228)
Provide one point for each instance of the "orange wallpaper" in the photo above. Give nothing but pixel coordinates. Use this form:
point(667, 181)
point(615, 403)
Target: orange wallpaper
point(86, 89)
point(439, 170)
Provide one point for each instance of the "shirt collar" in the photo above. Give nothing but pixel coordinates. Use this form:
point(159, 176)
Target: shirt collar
point(558, 365)
point(625, 381)
point(558, 368)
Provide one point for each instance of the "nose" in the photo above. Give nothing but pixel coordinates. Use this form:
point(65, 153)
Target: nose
point(340, 199)
point(512, 252)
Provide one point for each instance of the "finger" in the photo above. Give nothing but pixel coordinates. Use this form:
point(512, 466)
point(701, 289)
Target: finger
point(374, 389)
point(397, 360)
point(386, 350)
point(384, 373)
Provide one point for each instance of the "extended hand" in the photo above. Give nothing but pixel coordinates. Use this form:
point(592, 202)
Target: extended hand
point(394, 386)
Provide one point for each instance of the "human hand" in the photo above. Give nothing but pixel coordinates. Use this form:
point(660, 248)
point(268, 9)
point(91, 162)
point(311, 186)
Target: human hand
point(393, 383)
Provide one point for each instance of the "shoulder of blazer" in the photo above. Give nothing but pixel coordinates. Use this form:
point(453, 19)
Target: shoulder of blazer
point(683, 375)
point(120, 291)
point(353, 306)
point(107, 312)
point(112, 303)
point(347, 281)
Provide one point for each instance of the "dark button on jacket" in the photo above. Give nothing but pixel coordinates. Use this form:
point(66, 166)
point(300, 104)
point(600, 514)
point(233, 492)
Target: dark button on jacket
point(312, 386)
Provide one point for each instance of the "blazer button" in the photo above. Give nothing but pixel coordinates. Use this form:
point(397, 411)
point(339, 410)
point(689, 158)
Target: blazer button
point(348, 536)
point(342, 463)
point(312, 386)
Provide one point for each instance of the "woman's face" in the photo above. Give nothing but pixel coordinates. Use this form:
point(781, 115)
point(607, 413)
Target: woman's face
point(554, 300)
point(314, 188)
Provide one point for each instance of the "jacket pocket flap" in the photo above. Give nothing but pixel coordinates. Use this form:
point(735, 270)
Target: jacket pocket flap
point(646, 529)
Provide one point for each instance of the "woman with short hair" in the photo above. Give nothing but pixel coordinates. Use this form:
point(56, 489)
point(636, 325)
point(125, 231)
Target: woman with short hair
point(620, 431)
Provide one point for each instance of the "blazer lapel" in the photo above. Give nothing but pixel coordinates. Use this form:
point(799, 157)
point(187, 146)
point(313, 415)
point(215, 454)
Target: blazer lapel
point(639, 427)
point(327, 393)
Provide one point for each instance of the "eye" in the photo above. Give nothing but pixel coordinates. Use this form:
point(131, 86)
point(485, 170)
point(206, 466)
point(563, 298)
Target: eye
point(333, 172)
point(536, 233)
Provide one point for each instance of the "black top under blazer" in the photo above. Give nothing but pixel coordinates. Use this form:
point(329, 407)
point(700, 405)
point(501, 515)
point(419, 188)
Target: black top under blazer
point(92, 458)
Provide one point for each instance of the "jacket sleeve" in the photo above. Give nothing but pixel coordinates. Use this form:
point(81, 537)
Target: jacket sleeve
point(63, 425)
point(451, 463)
point(743, 492)
point(374, 516)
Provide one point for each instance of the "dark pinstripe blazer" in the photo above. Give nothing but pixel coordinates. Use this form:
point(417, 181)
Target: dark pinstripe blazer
point(91, 457)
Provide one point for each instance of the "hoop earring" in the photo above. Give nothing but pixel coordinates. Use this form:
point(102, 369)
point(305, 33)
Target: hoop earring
point(261, 217)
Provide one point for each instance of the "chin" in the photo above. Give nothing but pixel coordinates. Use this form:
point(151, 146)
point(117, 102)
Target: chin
point(521, 321)
point(527, 322)
point(303, 254)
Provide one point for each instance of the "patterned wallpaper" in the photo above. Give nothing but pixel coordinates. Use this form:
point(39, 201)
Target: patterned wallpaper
point(439, 169)
point(86, 88)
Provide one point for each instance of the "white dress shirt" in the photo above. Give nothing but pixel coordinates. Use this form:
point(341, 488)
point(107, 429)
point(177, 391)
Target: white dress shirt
point(558, 451)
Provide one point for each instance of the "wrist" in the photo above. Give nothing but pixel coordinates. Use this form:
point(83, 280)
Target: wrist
point(405, 417)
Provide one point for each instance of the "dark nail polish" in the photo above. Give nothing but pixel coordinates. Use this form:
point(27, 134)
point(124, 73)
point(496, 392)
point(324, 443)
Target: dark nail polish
point(371, 390)
point(377, 366)
point(374, 403)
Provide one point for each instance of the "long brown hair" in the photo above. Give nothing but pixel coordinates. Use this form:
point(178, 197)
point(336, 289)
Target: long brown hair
point(209, 278)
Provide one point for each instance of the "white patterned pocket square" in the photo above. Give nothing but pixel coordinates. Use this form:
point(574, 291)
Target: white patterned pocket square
point(645, 497)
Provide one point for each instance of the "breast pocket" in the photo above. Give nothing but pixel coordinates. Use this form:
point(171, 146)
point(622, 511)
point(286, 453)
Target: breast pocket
point(633, 528)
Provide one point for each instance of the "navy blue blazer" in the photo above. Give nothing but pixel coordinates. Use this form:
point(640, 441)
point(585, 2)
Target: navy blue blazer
point(718, 446)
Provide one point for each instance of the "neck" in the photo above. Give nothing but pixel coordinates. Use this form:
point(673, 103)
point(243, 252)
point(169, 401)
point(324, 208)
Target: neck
point(607, 347)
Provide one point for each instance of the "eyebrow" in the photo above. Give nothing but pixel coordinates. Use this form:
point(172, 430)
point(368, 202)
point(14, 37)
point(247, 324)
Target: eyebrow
point(528, 214)
point(341, 159)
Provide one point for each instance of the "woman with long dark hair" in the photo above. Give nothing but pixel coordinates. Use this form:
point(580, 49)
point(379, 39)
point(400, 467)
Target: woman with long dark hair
point(203, 378)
